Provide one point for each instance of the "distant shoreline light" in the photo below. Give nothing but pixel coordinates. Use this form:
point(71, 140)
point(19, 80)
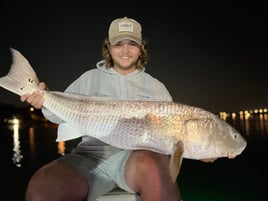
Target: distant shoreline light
point(243, 113)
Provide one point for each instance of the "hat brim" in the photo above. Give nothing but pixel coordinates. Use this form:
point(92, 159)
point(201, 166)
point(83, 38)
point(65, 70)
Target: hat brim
point(125, 37)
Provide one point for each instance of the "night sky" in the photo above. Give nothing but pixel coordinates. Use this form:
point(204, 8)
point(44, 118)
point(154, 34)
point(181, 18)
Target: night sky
point(212, 56)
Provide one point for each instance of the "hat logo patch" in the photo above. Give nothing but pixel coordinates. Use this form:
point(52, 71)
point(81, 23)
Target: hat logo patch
point(125, 26)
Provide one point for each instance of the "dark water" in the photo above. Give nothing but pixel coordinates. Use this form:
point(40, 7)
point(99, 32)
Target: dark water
point(26, 147)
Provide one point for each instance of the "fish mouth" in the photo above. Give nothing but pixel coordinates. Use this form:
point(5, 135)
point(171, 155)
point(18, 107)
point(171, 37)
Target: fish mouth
point(231, 156)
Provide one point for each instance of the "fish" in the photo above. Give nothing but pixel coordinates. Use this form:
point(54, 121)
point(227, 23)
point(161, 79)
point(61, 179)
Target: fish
point(166, 127)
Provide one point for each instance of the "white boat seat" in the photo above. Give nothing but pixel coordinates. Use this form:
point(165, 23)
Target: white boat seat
point(119, 195)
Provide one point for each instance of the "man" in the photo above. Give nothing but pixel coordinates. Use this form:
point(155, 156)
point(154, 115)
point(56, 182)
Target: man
point(93, 167)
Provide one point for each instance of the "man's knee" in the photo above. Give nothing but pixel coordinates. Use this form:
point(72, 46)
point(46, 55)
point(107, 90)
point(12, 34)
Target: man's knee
point(57, 181)
point(151, 158)
point(148, 164)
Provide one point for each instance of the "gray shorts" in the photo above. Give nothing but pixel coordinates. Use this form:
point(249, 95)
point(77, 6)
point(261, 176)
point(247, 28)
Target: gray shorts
point(104, 174)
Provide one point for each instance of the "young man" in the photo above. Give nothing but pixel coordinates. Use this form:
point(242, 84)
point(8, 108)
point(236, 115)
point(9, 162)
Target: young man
point(94, 168)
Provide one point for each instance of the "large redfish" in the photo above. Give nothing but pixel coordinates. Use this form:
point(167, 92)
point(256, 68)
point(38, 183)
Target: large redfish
point(171, 128)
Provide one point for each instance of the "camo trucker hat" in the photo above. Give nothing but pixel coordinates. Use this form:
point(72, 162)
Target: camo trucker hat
point(125, 28)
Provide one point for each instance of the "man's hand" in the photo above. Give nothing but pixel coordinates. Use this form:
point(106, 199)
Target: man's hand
point(36, 99)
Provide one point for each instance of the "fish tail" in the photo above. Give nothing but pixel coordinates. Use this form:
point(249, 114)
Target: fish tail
point(21, 78)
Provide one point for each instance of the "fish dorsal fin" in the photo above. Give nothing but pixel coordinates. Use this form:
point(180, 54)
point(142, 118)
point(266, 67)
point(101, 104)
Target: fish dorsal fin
point(81, 96)
point(176, 160)
point(102, 98)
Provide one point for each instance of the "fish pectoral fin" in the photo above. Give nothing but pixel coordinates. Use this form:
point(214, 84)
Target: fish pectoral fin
point(68, 132)
point(176, 160)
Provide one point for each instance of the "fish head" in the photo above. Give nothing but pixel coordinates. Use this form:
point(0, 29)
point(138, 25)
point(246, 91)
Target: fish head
point(212, 138)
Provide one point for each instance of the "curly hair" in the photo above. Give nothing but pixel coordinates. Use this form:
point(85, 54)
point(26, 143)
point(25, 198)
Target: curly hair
point(143, 58)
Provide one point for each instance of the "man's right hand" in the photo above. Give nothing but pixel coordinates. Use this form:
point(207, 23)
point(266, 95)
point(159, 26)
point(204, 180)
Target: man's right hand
point(36, 99)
